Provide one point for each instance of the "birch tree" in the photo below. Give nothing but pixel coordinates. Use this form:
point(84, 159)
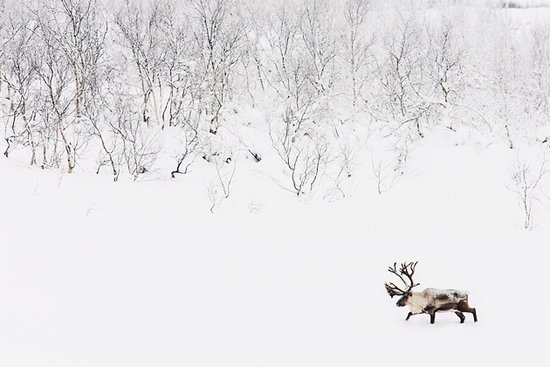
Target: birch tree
point(219, 35)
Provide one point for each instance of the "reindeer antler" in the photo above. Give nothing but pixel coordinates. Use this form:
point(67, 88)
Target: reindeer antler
point(407, 270)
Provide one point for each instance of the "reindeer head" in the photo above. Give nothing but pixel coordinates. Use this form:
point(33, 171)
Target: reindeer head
point(405, 271)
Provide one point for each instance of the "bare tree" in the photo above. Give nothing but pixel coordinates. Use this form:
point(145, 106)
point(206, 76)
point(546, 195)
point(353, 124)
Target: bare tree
point(318, 31)
point(85, 49)
point(300, 82)
point(219, 188)
point(384, 174)
point(58, 114)
point(138, 149)
point(101, 111)
point(253, 66)
point(140, 30)
point(178, 75)
point(508, 83)
point(357, 45)
point(446, 58)
point(446, 69)
point(19, 75)
point(541, 69)
point(525, 182)
point(219, 35)
point(189, 145)
point(344, 164)
point(402, 102)
point(304, 154)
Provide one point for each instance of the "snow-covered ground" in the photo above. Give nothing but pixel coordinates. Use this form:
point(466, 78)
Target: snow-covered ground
point(165, 271)
point(96, 273)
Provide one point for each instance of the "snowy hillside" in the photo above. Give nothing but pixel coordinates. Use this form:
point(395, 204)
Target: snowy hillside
point(168, 200)
point(138, 274)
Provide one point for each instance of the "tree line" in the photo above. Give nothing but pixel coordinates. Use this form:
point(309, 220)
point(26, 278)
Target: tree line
point(83, 82)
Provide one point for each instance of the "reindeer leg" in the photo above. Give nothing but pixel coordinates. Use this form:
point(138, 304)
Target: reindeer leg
point(409, 316)
point(461, 316)
point(464, 307)
point(430, 310)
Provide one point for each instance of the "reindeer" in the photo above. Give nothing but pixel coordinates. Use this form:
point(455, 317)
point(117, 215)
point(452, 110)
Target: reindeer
point(430, 300)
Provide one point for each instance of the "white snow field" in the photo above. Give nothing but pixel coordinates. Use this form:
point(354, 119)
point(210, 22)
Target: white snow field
point(96, 273)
